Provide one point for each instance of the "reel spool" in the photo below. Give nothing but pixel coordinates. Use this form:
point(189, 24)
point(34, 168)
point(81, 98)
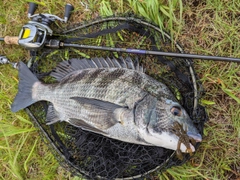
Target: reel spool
point(97, 157)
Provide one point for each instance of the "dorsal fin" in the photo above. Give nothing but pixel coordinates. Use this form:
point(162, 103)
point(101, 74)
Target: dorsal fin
point(66, 67)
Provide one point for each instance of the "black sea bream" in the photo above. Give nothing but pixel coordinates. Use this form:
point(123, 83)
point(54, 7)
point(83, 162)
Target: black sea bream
point(112, 97)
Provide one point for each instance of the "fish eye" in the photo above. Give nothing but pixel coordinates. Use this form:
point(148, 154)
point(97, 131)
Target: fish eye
point(176, 111)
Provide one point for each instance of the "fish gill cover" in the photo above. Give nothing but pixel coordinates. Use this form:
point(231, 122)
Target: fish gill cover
point(96, 156)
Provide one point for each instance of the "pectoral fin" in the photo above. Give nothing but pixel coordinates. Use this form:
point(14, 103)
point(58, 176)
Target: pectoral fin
point(85, 126)
point(100, 113)
point(104, 105)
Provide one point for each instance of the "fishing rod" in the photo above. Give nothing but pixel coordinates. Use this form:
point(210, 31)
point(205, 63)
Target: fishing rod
point(149, 52)
point(53, 43)
point(36, 33)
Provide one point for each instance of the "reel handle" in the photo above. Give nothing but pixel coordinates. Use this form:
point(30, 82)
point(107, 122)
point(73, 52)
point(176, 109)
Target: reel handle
point(32, 8)
point(68, 10)
point(11, 40)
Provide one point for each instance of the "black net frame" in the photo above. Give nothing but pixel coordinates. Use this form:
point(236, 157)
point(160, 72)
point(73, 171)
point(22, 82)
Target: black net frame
point(94, 156)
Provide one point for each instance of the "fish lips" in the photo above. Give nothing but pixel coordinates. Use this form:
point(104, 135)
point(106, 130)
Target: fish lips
point(194, 136)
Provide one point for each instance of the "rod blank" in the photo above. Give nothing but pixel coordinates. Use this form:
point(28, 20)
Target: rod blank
point(149, 52)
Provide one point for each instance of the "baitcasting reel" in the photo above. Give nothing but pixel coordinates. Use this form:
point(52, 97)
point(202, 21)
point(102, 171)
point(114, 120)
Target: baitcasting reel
point(33, 34)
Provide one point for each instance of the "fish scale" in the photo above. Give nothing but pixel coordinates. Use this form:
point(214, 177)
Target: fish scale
point(117, 100)
point(109, 93)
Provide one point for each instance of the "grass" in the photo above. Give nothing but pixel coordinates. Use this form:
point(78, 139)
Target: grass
point(208, 27)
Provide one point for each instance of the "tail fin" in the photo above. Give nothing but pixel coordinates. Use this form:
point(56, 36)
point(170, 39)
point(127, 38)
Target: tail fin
point(23, 98)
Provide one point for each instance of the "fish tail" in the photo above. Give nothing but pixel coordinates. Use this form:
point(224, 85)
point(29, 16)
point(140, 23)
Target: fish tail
point(24, 98)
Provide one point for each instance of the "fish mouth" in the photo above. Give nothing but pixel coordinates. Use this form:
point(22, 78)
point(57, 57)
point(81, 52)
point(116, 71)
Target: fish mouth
point(195, 137)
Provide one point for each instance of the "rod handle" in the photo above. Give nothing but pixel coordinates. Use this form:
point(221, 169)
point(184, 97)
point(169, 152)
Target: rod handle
point(11, 40)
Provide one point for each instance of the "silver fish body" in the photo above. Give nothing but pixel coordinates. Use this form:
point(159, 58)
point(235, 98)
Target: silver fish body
point(114, 98)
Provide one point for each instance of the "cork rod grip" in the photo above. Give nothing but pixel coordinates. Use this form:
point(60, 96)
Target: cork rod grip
point(11, 40)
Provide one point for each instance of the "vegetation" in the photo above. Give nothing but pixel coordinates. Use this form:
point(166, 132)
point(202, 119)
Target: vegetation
point(208, 27)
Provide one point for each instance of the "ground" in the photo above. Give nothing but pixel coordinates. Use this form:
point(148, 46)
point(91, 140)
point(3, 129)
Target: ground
point(209, 27)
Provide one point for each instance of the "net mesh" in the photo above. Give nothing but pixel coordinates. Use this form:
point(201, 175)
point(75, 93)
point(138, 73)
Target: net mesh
point(95, 156)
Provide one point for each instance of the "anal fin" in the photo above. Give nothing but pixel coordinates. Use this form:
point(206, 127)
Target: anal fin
point(52, 115)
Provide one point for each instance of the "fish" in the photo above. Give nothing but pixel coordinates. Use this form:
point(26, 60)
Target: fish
point(113, 97)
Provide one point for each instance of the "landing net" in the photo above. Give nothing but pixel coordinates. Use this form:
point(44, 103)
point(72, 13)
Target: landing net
point(94, 156)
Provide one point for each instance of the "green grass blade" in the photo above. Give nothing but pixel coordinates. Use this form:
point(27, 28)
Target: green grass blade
point(10, 130)
point(29, 156)
point(229, 92)
point(24, 120)
point(207, 102)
